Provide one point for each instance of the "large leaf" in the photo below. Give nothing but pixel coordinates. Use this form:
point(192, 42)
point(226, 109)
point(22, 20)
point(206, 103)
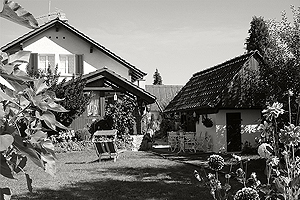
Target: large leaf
point(6, 83)
point(49, 119)
point(38, 137)
point(2, 113)
point(4, 96)
point(5, 169)
point(39, 102)
point(56, 107)
point(49, 147)
point(5, 141)
point(40, 85)
point(29, 182)
point(5, 193)
point(28, 150)
point(24, 102)
point(19, 57)
point(20, 164)
point(50, 167)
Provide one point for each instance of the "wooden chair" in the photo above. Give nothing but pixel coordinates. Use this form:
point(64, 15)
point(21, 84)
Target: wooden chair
point(190, 142)
point(173, 141)
point(105, 143)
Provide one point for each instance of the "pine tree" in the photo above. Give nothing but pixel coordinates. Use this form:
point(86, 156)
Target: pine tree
point(258, 35)
point(157, 78)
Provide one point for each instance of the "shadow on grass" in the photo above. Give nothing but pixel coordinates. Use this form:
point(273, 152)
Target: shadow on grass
point(116, 189)
point(141, 183)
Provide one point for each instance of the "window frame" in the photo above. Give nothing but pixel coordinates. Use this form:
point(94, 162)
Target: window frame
point(47, 55)
point(66, 67)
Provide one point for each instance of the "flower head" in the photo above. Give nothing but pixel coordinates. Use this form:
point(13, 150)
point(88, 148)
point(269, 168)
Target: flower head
point(273, 161)
point(216, 162)
point(290, 135)
point(265, 150)
point(240, 173)
point(236, 157)
point(273, 111)
point(246, 193)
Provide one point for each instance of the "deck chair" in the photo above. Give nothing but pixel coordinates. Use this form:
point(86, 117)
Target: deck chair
point(105, 143)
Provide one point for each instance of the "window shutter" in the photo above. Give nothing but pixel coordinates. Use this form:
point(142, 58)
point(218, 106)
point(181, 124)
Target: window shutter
point(32, 66)
point(79, 63)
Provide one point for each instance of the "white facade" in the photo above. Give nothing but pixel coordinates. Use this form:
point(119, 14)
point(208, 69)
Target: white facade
point(65, 43)
point(214, 139)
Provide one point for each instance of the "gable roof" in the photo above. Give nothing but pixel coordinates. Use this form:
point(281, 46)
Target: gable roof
point(135, 72)
point(163, 93)
point(117, 82)
point(205, 89)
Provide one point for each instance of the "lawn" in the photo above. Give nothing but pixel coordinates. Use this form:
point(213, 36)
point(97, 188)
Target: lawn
point(135, 175)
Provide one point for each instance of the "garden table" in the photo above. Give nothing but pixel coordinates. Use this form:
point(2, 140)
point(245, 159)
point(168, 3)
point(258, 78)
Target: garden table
point(105, 143)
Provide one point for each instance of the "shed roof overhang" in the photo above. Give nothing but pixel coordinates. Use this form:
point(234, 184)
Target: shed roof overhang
point(107, 80)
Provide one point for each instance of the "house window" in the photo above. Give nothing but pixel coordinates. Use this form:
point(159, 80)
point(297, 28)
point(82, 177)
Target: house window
point(93, 107)
point(46, 60)
point(67, 64)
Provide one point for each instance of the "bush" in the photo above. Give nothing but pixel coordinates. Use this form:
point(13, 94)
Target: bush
point(82, 134)
point(63, 147)
point(124, 142)
point(101, 124)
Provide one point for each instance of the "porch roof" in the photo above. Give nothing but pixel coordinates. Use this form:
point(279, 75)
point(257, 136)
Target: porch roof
point(111, 81)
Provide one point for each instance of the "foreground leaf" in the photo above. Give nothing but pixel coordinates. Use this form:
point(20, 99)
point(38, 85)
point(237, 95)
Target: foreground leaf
point(29, 182)
point(50, 166)
point(49, 147)
point(21, 163)
point(40, 85)
point(4, 96)
point(5, 193)
point(6, 83)
point(28, 150)
point(5, 169)
point(5, 141)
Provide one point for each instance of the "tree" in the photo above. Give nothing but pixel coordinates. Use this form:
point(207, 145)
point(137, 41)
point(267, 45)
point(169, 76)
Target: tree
point(72, 93)
point(258, 35)
point(280, 48)
point(75, 99)
point(157, 78)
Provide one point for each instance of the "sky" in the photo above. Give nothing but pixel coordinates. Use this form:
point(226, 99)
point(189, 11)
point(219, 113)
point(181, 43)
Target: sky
point(177, 37)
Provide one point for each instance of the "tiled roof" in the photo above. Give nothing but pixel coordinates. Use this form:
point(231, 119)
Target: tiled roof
point(136, 73)
point(163, 93)
point(206, 88)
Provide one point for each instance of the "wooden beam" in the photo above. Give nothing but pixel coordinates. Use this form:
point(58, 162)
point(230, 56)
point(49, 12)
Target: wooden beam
point(98, 89)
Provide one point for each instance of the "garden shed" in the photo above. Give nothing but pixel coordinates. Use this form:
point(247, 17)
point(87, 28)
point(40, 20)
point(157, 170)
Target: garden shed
point(223, 112)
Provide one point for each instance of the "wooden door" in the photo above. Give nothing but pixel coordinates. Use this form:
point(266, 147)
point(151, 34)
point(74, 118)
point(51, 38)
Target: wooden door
point(233, 127)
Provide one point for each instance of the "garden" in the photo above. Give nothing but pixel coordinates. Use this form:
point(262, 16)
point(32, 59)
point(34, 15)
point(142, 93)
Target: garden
point(41, 158)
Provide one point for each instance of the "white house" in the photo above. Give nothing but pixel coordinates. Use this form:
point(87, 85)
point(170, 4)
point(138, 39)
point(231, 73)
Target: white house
point(57, 43)
point(212, 98)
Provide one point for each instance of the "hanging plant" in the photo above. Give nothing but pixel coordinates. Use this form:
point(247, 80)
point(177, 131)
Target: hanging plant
point(207, 122)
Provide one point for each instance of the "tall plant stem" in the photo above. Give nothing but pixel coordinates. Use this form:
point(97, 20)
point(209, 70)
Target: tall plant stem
point(298, 116)
point(290, 112)
point(275, 137)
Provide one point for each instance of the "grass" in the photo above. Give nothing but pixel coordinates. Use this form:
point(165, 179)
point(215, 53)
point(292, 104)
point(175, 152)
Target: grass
point(135, 175)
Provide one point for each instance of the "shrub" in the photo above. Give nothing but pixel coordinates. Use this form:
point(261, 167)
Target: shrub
point(82, 134)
